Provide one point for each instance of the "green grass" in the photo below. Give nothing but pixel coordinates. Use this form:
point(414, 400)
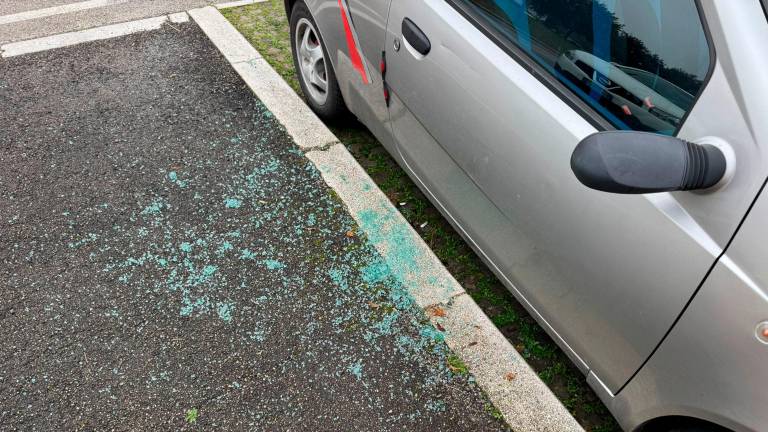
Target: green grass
point(494, 412)
point(191, 416)
point(265, 26)
point(456, 365)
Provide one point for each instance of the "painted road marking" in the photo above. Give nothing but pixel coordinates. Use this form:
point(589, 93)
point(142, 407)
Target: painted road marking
point(237, 3)
point(66, 39)
point(57, 10)
point(178, 18)
point(526, 402)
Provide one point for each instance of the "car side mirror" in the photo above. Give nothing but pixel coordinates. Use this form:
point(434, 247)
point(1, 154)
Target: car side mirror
point(637, 163)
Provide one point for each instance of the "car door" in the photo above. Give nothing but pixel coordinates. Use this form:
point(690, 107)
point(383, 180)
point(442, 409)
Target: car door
point(489, 98)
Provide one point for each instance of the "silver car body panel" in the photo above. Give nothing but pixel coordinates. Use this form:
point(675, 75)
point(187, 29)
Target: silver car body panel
point(612, 278)
point(712, 365)
point(596, 266)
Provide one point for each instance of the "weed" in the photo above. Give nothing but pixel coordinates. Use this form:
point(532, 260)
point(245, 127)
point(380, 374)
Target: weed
point(191, 415)
point(456, 365)
point(507, 317)
point(494, 412)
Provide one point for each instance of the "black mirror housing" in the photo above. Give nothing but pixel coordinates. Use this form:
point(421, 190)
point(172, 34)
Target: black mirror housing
point(626, 162)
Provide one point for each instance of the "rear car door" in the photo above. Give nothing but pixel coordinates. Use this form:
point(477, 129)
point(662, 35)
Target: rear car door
point(489, 98)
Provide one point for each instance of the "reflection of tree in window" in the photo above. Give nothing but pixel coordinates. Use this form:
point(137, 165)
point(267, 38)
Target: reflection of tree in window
point(559, 27)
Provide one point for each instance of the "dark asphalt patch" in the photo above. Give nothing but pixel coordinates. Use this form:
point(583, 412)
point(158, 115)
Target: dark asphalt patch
point(165, 248)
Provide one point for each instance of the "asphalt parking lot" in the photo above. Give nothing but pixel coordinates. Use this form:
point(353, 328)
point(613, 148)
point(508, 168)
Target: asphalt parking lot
point(170, 260)
point(27, 19)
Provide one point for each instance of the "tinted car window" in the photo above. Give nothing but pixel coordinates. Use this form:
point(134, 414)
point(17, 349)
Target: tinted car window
point(639, 63)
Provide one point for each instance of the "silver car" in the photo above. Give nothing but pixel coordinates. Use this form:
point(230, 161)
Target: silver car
point(605, 158)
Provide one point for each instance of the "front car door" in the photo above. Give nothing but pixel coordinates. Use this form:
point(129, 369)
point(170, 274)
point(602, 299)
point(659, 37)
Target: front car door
point(487, 121)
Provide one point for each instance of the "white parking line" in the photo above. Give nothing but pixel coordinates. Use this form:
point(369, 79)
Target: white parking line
point(179, 17)
point(56, 10)
point(66, 39)
point(515, 389)
point(237, 3)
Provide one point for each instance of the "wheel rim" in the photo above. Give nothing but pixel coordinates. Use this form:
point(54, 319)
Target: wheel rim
point(311, 59)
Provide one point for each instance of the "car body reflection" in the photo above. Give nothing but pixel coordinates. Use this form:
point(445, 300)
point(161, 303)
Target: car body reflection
point(631, 94)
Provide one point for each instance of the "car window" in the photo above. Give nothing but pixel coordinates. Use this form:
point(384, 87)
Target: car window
point(638, 63)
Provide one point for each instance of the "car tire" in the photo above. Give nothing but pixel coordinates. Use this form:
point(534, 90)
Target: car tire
point(692, 429)
point(315, 74)
point(683, 425)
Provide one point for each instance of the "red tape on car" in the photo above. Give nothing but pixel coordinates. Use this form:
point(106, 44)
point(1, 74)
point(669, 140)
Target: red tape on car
point(354, 52)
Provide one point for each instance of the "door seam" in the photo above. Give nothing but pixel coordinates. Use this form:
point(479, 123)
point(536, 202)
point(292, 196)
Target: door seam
point(698, 288)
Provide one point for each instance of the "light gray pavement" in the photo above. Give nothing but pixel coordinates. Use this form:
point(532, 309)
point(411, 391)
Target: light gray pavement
point(15, 6)
point(114, 11)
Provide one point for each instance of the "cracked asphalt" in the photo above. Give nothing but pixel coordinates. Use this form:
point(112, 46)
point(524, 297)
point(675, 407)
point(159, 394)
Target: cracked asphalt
point(170, 260)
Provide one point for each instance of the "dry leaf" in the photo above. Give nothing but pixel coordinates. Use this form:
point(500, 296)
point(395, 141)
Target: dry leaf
point(373, 305)
point(510, 376)
point(350, 233)
point(436, 311)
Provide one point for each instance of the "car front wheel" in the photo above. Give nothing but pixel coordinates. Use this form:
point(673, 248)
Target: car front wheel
point(313, 67)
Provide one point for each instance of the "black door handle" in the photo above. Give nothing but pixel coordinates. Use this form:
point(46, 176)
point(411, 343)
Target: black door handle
point(415, 37)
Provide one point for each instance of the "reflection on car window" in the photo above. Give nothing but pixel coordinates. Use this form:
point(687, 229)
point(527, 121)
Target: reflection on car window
point(639, 63)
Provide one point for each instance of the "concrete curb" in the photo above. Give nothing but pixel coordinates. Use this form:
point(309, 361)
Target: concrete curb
point(237, 3)
point(524, 400)
point(300, 122)
point(417, 267)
